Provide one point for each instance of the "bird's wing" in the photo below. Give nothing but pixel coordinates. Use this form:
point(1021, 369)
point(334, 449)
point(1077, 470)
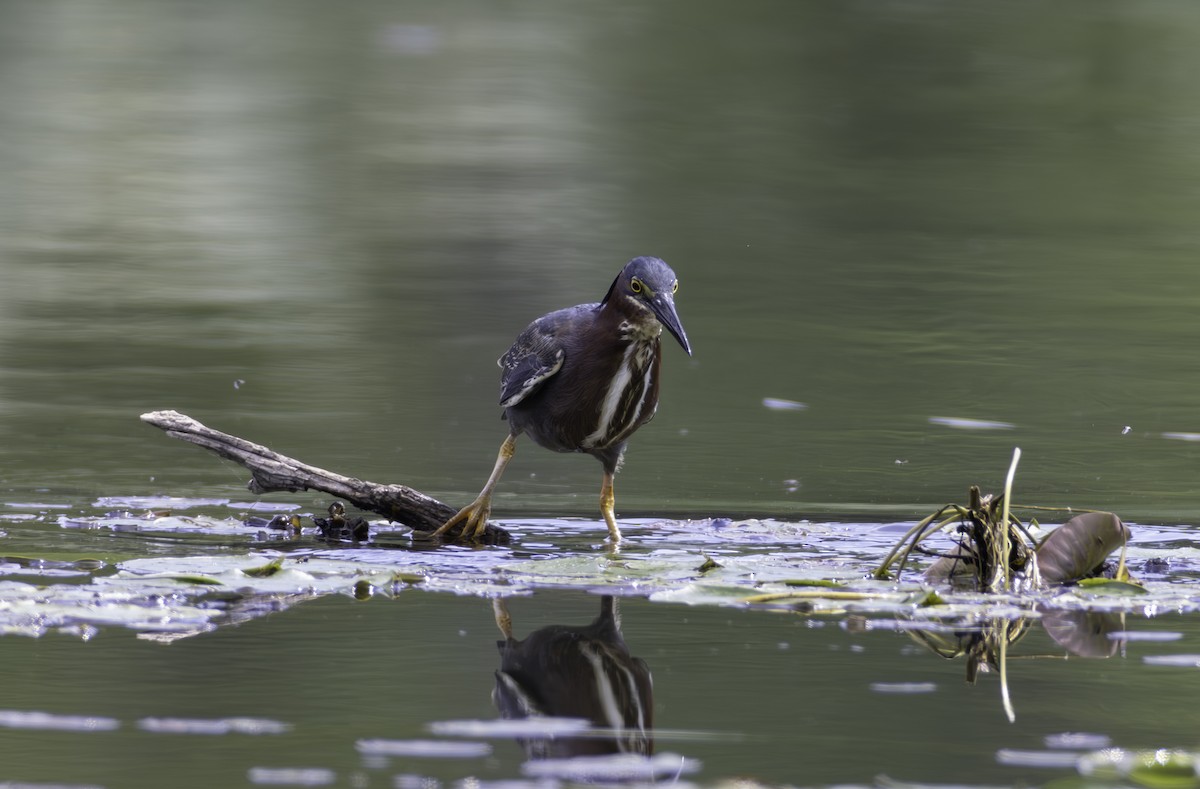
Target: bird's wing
point(525, 376)
point(535, 356)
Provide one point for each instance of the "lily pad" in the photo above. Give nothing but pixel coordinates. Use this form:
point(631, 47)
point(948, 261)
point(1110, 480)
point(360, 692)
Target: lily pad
point(198, 580)
point(1161, 769)
point(1080, 546)
point(1111, 586)
point(265, 571)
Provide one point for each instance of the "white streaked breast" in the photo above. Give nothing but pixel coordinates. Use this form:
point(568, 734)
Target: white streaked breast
point(614, 421)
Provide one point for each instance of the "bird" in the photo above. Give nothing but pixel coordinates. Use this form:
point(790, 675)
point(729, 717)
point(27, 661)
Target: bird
point(338, 528)
point(584, 379)
point(584, 673)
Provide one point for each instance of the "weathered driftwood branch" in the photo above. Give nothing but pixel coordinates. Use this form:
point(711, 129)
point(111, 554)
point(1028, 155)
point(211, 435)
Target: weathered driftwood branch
point(273, 472)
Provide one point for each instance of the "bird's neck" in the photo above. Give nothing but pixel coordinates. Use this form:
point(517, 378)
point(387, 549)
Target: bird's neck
point(635, 321)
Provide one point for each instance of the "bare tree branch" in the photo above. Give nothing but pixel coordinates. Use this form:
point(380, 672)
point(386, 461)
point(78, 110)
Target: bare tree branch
point(273, 472)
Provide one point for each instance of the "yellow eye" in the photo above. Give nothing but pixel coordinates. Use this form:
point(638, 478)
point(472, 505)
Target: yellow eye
point(635, 285)
point(675, 287)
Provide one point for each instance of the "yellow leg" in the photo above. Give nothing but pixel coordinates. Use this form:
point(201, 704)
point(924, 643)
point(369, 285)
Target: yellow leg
point(503, 619)
point(607, 500)
point(474, 516)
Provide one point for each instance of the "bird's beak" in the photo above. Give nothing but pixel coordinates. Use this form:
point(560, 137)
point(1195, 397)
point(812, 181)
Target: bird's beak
point(664, 309)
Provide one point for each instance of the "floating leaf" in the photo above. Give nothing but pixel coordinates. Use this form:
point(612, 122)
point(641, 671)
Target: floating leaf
point(815, 582)
point(265, 570)
point(1165, 770)
point(1079, 547)
point(1161, 769)
point(185, 578)
point(814, 594)
point(930, 598)
point(1111, 586)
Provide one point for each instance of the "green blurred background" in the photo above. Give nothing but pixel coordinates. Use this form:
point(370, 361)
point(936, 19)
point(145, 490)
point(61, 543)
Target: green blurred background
point(318, 225)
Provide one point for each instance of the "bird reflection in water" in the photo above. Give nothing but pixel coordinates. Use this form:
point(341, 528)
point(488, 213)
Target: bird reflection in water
point(576, 672)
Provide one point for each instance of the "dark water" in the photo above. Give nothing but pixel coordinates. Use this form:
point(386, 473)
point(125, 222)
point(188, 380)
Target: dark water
point(319, 226)
point(744, 694)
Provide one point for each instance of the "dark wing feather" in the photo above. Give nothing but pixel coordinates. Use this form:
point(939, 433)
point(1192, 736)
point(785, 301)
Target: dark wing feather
point(524, 375)
point(536, 355)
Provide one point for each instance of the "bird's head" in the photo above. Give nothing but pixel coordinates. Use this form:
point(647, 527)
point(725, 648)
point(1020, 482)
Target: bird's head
point(649, 284)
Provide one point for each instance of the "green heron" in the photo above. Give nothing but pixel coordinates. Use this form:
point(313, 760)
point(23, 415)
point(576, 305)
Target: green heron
point(576, 672)
point(583, 379)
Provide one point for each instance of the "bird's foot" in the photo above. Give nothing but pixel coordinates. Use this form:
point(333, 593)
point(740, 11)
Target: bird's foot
point(474, 519)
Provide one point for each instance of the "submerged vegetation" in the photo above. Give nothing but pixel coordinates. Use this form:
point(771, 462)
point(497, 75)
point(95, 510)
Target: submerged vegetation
point(995, 551)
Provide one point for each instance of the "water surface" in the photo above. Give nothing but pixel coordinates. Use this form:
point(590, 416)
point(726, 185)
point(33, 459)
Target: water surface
point(776, 698)
point(946, 230)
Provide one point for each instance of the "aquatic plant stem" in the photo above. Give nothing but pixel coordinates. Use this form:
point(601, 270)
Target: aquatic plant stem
point(1072, 510)
point(881, 573)
point(928, 530)
point(1002, 564)
point(1004, 697)
point(817, 594)
point(914, 536)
